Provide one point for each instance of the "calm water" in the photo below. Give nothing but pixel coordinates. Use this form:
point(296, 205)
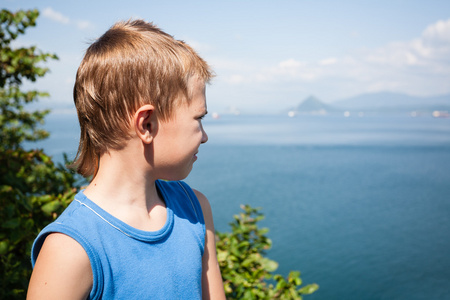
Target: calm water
point(360, 206)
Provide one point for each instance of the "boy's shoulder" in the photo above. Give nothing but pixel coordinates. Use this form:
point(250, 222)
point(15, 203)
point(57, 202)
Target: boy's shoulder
point(73, 222)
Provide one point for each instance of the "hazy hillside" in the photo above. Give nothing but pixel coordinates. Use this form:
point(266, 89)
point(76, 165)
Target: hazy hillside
point(387, 101)
point(374, 102)
point(313, 105)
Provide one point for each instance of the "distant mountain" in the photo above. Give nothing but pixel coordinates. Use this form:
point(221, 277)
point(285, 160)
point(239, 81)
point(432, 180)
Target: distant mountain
point(382, 102)
point(394, 102)
point(313, 105)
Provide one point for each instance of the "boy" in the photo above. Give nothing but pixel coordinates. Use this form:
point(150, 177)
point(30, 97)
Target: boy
point(140, 98)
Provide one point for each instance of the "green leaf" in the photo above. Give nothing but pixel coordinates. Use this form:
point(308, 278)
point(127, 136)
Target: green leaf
point(51, 207)
point(4, 245)
point(309, 289)
point(269, 265)
point(11, 224)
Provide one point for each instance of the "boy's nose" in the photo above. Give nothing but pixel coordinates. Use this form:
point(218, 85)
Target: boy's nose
point(204, 137)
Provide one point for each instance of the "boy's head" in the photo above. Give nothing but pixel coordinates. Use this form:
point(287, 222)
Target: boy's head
point(134, 63)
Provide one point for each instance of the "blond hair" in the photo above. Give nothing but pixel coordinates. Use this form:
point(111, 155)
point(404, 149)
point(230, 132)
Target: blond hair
point(132, 64)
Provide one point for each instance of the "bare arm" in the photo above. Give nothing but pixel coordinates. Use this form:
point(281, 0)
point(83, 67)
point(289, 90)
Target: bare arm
point(212, 285)
point(62, 270)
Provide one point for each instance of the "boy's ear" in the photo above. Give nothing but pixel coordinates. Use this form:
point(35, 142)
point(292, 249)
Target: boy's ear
point(145, 123)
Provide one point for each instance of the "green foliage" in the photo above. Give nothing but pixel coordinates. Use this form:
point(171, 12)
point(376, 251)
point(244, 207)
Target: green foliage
point(19, 64)
point(33, 190)
point(246, 273)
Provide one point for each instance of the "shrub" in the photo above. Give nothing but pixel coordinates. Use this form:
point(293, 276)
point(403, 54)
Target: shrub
point(33, 190)
point(246, 273)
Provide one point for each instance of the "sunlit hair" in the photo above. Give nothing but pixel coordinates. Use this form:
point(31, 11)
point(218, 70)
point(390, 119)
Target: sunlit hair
point(134, 63)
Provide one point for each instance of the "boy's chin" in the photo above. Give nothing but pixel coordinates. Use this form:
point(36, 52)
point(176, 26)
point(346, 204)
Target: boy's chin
point(176, 177)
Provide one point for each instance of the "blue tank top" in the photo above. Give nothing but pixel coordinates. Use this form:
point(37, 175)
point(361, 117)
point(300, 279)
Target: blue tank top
point(128, 263)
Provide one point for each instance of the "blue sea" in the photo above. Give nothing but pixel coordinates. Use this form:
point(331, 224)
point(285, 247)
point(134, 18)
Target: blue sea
point(360, 205)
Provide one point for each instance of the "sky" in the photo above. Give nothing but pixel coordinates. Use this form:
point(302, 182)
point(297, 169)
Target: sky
point(268, 56)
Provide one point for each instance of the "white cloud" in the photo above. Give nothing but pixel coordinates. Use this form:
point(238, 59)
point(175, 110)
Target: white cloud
point(230, 65)
point(83, 24)
point(290, 68)
point(328, 61)
point(426, 57)
point(55, 16)
point(198, 46)
point(236, 79)
point(394, 54)
point(290, 64)
point(58, 17)
point(420, 66)
point(438, 32)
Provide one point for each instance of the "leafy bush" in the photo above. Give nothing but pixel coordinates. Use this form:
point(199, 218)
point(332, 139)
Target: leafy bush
point(246, 273)
point(33, 190)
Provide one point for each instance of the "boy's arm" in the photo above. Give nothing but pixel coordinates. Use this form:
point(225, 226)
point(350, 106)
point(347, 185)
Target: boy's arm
point(62, 270)
point(212, 285)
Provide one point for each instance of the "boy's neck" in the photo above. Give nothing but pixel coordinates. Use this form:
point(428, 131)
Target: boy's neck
point(125, 188)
